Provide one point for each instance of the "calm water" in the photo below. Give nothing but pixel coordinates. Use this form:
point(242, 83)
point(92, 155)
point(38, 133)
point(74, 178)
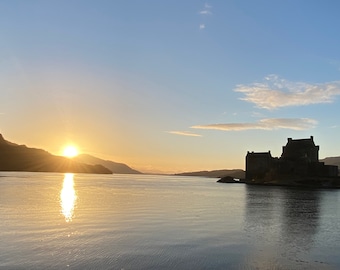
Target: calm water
point(57, 221)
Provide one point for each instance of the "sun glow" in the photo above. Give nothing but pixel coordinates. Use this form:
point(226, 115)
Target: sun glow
point(70, 151)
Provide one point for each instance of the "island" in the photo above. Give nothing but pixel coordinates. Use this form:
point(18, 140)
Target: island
point(298, 165)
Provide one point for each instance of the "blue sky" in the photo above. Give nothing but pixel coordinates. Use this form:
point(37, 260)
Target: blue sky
point(170, 86)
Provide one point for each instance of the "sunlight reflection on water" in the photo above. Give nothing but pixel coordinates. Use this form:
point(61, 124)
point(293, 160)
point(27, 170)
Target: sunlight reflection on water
point(84, 221)
point(68, 197)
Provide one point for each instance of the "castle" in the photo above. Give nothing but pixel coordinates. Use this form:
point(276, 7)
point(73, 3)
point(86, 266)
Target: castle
point(298, 164)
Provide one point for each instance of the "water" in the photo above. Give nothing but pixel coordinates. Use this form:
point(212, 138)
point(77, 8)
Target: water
point(57, 221)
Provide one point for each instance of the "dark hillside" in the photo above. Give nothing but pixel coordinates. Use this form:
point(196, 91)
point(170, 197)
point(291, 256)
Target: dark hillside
point(112, 166)
point(237, 173)
point(15, 157)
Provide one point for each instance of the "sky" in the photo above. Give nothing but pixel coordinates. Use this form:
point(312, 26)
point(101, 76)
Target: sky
point(170, 86)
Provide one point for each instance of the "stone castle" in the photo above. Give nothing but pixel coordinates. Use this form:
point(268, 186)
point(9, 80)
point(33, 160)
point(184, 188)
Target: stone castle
point(298, 164)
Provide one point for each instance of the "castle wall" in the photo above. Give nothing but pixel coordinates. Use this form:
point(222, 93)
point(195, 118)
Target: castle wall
point(258, 165)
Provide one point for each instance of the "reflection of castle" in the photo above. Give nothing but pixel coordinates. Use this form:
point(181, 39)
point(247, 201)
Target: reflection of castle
point(298, 164)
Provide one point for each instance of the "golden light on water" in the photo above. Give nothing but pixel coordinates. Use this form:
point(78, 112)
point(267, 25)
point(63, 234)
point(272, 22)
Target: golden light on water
point(68, 197)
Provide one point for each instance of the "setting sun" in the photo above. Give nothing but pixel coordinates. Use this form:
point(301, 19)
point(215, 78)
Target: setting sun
point(70, 151)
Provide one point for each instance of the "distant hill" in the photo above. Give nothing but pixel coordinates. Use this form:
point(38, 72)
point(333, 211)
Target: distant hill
point(238, 173)
point(14, 157)
point(331, 161)
point(112, 166)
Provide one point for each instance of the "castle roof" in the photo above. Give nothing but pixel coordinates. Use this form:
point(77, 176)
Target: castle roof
point(308, 141)
point(301, 148)
point(259, 153)
point(300, 142)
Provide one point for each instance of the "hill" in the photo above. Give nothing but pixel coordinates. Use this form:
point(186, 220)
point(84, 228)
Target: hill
point(240, 174)
point(332, 161)
point(237, 173)
point(14, 157)
point(112, 166)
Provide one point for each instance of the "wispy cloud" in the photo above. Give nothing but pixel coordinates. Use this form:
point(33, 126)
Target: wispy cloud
point(185, 133)
point(275, 92)
point(265, 124)
point(202, 26)
point(205, 11)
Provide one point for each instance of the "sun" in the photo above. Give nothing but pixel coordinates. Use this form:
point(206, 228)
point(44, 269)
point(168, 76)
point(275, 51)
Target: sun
point(70, 151)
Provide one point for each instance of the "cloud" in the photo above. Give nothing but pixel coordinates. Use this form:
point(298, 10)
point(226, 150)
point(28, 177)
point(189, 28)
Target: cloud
point(185, 133)
point(275, 92)
point(264, 124)
point(205, 12)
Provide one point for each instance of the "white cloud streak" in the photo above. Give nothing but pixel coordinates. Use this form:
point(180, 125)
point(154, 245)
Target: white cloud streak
point(275, 92)
point(202, 26)
point(185, 133)
point(264, 124)
point(205, 12)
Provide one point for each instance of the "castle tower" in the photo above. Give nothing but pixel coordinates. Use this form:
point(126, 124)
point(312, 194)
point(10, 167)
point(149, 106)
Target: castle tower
point(301, 150)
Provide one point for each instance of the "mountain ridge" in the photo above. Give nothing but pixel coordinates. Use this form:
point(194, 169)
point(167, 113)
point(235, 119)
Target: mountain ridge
point(331, 161)
point(14, 157)
point(235, 173)
point(115, 167)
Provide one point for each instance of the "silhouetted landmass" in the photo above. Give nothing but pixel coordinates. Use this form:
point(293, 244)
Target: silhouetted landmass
point(230, 180)
point(14, 157)
point(335, 161)
point(237, 173)
point(113, 166)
